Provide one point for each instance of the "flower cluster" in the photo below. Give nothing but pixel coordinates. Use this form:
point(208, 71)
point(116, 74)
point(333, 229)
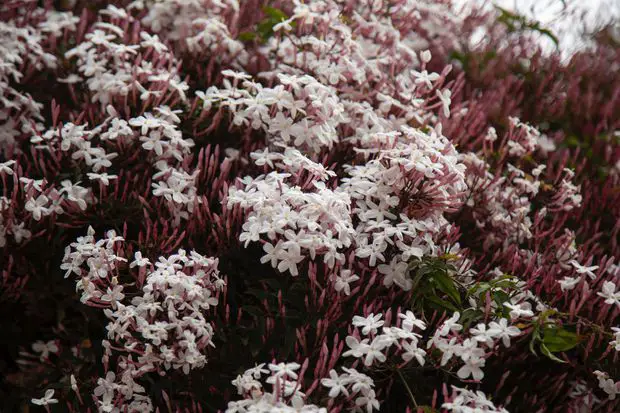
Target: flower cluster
point(448, 338)
point(298, 220)
point(607, 385)
point(300, 112)
point(400, 198)
point(285, 396)
point(163, 326)
point(467, 401)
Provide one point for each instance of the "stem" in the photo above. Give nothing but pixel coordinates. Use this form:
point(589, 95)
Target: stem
point(407, 387)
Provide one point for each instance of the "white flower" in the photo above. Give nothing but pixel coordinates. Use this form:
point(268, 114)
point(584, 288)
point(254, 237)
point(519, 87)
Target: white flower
point(568, 283)
point(482, 335)
point(373, 252)
point(20, 233)
point(257, 370)
point(449, 348)
point(369, 400)
point(283, 25)
point(357, 348)
point(99, 37)
point(425, 77)
point(410, 321)
point(5, 167)
point(273, 253)
point(239, 76)
point(608, 291)
point(616, 341)
point(583, 269)
point(343, 280)
point(412, 351)
point(139, 261)
point(146, 122)
point(445, 98)
point(152, 41)
point(36, 183)
point(285, 370)
point(75, 193)
point(450, 325)
point(45, 400)
point(264, 157)
point(45, 348)
point(520, 310)
point(37, 206)
point(281, 124)
point(103, 177)
point(491, 135)
point(472, 368)
point(375, 351)
point(503, 331)
point(395, 273)
point(289, 260)
point(469, 350)
point(105, 385)
point(336, 384)
point(369, 324)
point(113, 294)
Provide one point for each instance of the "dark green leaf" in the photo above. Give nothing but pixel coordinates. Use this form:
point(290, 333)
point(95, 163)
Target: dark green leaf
point(535, 338)
point(469, 316)
point(500, 297)
point(253, 310)
point(441, 304)
point(274, 13)
point(558, 339)
point(446, 284)
point(549, 354)
point(247, 36)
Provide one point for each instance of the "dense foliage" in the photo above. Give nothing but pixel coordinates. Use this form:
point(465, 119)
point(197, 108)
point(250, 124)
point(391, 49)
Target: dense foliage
point(305, 206)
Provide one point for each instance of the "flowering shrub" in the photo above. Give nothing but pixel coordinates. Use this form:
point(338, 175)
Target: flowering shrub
point(304, 206)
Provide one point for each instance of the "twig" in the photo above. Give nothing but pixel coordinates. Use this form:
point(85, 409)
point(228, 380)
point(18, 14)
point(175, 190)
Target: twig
point(407, 387)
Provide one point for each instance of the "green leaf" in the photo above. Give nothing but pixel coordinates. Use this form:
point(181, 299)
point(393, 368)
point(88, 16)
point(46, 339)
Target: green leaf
point(500, 297)
point(441, 304)
point(247, 36)
point(264, 28)
point(469, 316)
point(274, 13)
point(260, 294)
point(557, 339)
point(572, 141)
point(479, 289)
point(273, 284)
point(505, 281)
point(549, 354)
point(535, 338)
point(446, 284)
point(253, 311)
